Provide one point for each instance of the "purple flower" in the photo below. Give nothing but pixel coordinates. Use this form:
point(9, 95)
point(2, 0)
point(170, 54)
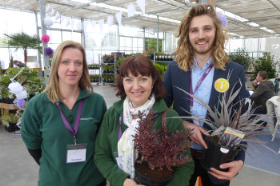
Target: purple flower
point(223, 18)
point(20, 102)
point(48, 51)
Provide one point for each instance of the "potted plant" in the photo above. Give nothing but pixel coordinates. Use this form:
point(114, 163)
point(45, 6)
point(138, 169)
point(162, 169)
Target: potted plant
point(266, 63)
point(108, 58)
point(93, 66)
point(10, 121)
point(24, 41)
point(232, 126)
point(29, 78)
point(160, 152)
point(241, 56)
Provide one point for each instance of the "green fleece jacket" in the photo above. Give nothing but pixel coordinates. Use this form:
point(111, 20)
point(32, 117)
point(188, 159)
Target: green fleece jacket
point(107, 140)
point(42, 127)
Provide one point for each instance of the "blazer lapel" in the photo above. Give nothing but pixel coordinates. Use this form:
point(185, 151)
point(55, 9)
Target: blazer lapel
point(214, 93)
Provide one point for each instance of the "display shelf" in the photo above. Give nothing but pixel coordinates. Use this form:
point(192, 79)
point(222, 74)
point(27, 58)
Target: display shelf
point(5, 108)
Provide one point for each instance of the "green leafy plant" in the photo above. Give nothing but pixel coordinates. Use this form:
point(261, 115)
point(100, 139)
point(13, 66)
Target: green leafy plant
point(266, 63)
point(160, 68)
point(24, 41)
point(161, 148)
point(241, 56)
point(9, 118)
point(120, 60)
point(29, 78)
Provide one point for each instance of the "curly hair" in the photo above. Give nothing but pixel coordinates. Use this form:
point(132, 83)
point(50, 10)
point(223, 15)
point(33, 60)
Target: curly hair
point(52, 89)
point(184, 50)
point(139, 64)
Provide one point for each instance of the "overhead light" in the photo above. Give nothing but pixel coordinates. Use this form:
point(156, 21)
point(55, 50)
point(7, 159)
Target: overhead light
point(234, 34)
point(102, 5)
point(231, 15)
point(253, 24)
point(267, 30)
point(82, 1)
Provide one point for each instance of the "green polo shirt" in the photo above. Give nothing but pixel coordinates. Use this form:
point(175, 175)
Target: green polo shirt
point(43, 127)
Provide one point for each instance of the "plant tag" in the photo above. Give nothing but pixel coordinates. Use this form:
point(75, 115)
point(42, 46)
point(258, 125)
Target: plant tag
point(231, 137)
point(234, 132)
point(224, 150)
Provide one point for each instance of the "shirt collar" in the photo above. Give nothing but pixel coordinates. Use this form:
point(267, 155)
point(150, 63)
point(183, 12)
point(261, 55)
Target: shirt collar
point(209, 62)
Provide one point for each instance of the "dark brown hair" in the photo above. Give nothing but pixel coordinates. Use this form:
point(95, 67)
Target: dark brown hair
point(263, 74)
point(139, 64)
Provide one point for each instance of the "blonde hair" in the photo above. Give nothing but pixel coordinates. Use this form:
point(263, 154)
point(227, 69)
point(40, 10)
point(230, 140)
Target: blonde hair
point(184, 50)
point(52, 89)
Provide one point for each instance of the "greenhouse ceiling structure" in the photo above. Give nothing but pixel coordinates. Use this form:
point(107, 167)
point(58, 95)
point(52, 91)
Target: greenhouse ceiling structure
point(246, 18)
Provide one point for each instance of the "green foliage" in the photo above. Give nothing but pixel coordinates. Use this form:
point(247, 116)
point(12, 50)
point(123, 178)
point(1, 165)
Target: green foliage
point(241, 56)
point(24, 41)
point(29, 78)
point(160, 68)
point(9, 118)
point(151, 44)
point(266, 63)
point(120, 60)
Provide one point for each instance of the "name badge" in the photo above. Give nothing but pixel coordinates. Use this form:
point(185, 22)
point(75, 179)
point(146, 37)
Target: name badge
point(76, 153)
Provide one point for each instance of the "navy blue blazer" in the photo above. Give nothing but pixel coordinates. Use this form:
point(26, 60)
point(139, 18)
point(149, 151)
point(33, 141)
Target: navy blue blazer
point(175, 77)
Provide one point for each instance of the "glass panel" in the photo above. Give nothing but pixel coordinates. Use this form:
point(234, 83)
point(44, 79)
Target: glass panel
point(66, 35)
point(15, 21)
point(131, 31)
point(77, 37)
point(141, 43)
point(4, 57)
point(55, 36)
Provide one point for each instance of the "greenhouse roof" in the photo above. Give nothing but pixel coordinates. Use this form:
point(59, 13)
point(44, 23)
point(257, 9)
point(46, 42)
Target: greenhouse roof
point(246, 18)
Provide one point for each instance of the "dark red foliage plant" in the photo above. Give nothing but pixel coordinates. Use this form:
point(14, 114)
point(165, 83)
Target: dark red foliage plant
point(161, 148)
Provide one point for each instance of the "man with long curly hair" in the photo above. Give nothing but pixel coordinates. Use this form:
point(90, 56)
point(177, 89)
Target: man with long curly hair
point(201, 60)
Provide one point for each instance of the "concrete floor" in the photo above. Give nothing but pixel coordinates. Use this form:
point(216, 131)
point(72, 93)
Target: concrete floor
point(17, 168)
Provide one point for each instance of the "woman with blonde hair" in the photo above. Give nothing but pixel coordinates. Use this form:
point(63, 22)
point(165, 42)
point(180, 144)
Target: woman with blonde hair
point(60, 125)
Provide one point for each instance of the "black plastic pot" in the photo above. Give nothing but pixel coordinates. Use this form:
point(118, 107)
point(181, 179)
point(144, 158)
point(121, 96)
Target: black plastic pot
point(216, 155)
point(12, 127)
point(144, 180)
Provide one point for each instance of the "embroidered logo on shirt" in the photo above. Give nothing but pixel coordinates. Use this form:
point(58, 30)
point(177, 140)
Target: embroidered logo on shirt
point(84, 119)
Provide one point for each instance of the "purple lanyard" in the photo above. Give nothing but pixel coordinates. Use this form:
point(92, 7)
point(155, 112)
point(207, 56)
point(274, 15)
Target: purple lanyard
point(199, 81)
point(120, 130)
point(74, 132)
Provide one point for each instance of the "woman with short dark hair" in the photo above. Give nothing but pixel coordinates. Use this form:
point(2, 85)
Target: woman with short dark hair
point(141, 90)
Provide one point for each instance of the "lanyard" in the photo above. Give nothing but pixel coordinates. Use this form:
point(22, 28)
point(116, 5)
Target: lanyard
point(199, 81)
point(74, 132)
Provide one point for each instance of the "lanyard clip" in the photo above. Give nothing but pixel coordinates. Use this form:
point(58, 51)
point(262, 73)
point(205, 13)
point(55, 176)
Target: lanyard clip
point(75, 141)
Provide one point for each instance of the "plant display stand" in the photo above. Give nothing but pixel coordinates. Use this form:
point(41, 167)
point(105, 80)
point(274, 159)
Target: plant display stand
point(5, 108)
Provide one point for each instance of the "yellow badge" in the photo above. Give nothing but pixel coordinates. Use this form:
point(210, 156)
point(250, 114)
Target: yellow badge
point(221, 85)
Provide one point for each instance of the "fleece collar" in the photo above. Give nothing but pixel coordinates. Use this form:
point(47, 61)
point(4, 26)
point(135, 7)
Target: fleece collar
point(83, 94)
